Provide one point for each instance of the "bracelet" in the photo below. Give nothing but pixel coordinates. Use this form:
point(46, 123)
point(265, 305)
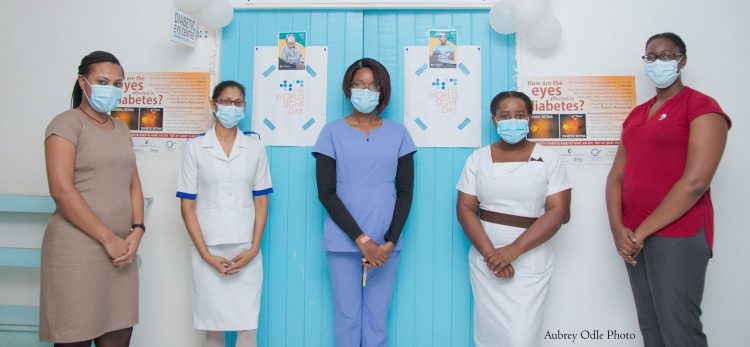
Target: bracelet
point(143, 227)
point(362, 240)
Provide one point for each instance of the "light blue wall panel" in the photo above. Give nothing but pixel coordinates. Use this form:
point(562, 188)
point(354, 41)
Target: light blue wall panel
point(432, 298)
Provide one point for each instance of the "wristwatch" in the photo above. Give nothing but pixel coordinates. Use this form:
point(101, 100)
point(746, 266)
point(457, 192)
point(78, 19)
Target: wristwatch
point(143, 227)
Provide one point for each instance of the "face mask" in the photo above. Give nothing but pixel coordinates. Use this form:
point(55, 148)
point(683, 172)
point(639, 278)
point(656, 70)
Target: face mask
point(229, 116)
point(513, 131)
point(663, 73)
point(103, 98)
point(365, 100)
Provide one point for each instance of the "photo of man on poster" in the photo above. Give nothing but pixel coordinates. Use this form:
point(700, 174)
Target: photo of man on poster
point(292, 51)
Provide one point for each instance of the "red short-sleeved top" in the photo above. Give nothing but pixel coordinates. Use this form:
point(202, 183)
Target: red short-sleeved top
point(656, 153)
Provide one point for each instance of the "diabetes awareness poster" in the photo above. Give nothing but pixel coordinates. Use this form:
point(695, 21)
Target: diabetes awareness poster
point(580, 116)
point(442, 103)
point(164, 109)
point(289, 100)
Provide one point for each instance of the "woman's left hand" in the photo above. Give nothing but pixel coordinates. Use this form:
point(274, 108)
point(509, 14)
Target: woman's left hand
point(133, 240)
point(384, 250)
point(387, 249)
point(242, 259)
point(501, 258)
point(638, 240)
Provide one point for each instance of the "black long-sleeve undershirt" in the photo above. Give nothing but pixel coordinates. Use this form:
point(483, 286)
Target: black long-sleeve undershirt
point(325, 170)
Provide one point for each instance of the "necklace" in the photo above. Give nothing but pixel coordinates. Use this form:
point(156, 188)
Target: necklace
point(95, 120)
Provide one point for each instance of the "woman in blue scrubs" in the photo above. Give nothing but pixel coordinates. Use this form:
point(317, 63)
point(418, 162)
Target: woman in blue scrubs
point(365, 176)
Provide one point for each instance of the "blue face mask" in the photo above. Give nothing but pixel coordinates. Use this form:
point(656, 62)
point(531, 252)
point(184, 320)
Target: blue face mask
point(663, 73)
point(513, 131)
point(365, 100)
point(229, 116)
point(103, 98)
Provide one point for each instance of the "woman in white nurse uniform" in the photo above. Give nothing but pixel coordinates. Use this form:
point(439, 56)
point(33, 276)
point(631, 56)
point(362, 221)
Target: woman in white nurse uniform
point(513, 196)
point(224, 185)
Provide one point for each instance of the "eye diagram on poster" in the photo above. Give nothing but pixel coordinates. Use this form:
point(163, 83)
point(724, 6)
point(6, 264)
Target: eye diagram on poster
point(164, 109)
point(442, 106)
point(289, 105)
point(580, 116)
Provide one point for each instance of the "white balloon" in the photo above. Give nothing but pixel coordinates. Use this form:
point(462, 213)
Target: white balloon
point(217, 14)
point(501, 17)
point(191, 5)
point(528, 11)
point(545, 32)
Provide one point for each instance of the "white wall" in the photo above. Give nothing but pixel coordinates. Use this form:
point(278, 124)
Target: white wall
point(590, 289)
point(43, 43)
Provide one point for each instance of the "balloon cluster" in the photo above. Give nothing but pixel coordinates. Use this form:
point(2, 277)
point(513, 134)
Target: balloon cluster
point(214, 14)
point(531, 18)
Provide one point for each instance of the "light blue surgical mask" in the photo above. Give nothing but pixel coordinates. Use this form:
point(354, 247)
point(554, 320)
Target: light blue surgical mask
point(365, 100)
point(229, 116)
point(663, 73)
point(103, 98)
point(513, 131)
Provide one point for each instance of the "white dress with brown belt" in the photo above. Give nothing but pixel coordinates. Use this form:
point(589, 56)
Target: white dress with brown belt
point(508, 311)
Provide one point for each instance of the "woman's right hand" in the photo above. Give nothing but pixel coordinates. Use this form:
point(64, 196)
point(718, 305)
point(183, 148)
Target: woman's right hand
point(115, 247)
point(372, 253)
point(626, 243)
point(219, 263)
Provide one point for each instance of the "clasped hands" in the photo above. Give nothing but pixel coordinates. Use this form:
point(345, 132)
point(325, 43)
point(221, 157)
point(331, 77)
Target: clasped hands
point(375, 254)
point(628, 243)
point(123, 251)
point(499, 260)
point(230, 267)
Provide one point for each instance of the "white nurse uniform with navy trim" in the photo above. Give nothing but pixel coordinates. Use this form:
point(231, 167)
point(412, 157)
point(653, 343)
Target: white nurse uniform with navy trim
point(223, 187)
point(508, 311)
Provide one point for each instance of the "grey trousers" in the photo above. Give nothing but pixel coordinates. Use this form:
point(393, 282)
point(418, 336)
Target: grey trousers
point(667, 287)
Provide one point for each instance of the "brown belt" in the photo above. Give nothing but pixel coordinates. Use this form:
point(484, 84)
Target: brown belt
point(506, 219)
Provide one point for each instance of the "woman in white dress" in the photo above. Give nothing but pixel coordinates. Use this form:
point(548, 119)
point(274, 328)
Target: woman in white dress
point(513, 196)
point(224, 185)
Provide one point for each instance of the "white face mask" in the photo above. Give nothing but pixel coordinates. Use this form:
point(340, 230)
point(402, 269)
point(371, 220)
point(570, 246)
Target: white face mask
point(103, 98)
point(663, 73)
point(365, 100)
point(229, 116)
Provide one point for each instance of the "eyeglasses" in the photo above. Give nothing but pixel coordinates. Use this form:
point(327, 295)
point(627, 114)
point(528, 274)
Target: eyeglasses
point(230, 102)
point(663, 56)
point(360, 85)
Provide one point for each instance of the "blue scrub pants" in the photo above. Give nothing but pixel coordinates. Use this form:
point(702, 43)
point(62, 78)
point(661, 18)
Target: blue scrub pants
point(361, 314)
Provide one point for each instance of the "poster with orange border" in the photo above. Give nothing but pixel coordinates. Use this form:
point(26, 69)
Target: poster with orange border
point(580, 116)
point(164, 109)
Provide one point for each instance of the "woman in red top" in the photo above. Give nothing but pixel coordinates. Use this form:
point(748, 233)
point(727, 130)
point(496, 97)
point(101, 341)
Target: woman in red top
point(658, 197)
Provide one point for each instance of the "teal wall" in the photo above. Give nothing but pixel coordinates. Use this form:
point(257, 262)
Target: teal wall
point(432, 301)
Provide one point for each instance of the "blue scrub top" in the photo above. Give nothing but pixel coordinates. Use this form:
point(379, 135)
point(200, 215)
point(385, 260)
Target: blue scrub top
point(365, 177)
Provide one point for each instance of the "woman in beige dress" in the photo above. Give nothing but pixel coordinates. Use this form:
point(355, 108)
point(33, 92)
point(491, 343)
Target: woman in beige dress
point(89, 283)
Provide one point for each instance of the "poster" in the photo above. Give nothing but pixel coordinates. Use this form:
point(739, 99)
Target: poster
point(443, 47)
point(164, 109)
point(580, 116)
point(442, 106)
point(289, 106)
point(292, 51)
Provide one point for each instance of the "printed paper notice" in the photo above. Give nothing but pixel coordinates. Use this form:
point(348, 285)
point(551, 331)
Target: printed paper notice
point(581, 116)
point(164, 109)
point(289, 104)
point(442, 106)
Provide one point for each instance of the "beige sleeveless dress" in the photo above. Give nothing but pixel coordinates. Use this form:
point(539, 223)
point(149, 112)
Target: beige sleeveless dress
point(83, 296)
